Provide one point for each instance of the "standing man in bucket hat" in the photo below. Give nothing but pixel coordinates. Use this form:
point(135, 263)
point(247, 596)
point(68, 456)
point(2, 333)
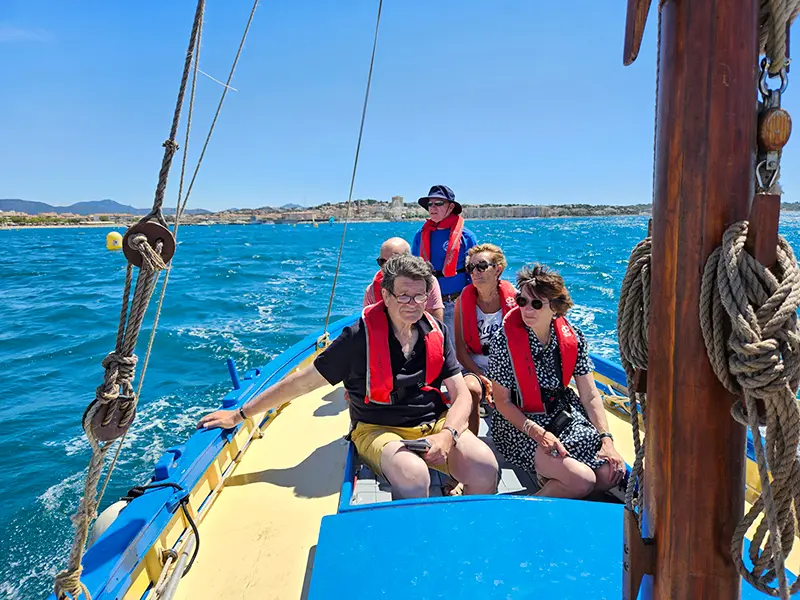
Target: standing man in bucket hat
point(444, 241)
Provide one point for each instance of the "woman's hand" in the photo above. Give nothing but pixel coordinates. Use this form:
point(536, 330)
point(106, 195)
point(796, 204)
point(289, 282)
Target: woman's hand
point(226, 419)
point(441, 444)
point(609, 453)
point(550, 443)
point(487, 385)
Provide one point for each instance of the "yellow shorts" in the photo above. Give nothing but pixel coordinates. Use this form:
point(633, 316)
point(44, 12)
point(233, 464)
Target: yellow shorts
point(370, 440)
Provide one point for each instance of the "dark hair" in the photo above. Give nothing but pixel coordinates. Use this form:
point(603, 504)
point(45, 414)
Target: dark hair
point(545, 283)
point(406, 265)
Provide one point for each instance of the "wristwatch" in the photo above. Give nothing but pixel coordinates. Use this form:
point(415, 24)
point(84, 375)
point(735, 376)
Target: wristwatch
point(454, 433)
point(606, 434)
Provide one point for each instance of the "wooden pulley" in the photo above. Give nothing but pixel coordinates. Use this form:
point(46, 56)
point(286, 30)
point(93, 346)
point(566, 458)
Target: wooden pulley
point(113, 429)
point(155, 233)
point(774, 129)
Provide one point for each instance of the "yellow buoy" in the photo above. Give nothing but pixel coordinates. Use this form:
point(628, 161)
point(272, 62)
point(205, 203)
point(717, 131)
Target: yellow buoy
point(114, 240)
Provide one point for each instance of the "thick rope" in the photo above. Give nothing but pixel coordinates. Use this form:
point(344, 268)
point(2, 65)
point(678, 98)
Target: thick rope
point(355, 166)
point(774, 17)
point(760, 362)
point(116, 394)
point(181, 206)
point(171, 146)
point(633, 318)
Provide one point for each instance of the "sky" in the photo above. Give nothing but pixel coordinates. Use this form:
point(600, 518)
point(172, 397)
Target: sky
point(510, 101)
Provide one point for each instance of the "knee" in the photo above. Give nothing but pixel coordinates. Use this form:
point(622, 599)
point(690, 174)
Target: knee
point(481, 472)
point(408, 475)
point(604, 476)
point(474, 387)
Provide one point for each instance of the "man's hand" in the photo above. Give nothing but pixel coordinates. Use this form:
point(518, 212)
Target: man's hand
point(609, 453)
point(226, 419)
point(441, 444)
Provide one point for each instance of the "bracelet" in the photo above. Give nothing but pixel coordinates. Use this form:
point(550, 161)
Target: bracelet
point(241, 413)
point(527, 426)
point(606, 434)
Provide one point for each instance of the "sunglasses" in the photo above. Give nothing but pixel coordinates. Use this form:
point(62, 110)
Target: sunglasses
point(480, 266)
point(419, 298)
point(436, 203)
point(523, 301)
point(381, 261)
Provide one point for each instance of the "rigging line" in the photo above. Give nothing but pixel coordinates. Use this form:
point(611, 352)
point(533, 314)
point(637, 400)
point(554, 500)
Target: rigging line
point(180, 208)
point(219, 109)
point(189, 114)
point(355, 165)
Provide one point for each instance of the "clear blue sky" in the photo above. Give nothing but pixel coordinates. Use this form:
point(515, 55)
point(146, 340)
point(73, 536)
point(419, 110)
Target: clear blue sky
point(507, 101)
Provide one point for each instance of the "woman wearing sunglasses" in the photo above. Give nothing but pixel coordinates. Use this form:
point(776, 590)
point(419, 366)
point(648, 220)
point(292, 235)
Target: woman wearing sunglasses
point(540, 424)
point(479, 313)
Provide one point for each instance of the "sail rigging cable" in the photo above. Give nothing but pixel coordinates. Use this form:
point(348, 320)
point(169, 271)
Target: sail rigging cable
point(355, 166)
point(120, 366)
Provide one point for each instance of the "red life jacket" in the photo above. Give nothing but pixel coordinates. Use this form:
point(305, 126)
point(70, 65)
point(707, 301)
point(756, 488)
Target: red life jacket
point(376, 286)
point(455, 223)
point(522, 360)
point(469, 313)
point(380, 379)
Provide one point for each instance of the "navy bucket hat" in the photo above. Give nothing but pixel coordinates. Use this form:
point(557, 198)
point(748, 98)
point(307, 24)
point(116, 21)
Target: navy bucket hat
point(440, 192)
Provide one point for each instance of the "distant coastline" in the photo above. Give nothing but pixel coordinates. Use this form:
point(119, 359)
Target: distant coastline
point(15, 213)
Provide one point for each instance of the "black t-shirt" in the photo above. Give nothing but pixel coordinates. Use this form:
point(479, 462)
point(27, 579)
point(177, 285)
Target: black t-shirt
point(345, 360)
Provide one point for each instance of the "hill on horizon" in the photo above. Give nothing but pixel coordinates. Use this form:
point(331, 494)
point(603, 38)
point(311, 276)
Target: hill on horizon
point(84, 208)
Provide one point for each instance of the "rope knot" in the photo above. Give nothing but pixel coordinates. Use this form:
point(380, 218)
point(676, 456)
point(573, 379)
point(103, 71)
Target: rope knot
point(151, 258)
point(760, 363)
point(171, 146)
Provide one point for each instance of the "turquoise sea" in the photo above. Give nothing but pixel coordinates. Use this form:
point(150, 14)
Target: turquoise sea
point(247, 292)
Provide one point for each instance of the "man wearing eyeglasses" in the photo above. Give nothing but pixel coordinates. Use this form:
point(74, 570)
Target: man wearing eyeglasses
point(394, 247)
point(444, 241)
point(393, 363)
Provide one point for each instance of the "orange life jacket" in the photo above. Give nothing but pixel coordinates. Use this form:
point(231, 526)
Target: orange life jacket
point(455, 223)
point(380, 379)
point(469, 313)
point(376, 285)
point(519, 347)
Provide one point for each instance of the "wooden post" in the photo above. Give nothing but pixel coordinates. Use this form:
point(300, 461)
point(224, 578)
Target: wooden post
point(706, 133)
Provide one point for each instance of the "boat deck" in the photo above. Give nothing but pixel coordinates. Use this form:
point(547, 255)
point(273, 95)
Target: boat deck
point(258, 540)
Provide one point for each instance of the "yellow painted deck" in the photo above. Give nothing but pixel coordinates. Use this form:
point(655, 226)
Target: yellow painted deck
point(257, 538)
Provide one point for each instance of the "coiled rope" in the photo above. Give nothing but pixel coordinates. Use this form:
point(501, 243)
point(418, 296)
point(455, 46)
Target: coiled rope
point(633, 318)
point(760, 363)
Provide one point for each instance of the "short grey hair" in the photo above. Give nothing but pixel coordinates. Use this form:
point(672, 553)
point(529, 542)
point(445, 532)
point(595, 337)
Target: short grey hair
point(406, 265)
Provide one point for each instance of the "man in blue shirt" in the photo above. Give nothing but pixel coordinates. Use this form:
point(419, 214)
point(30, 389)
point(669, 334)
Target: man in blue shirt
point(444, 241)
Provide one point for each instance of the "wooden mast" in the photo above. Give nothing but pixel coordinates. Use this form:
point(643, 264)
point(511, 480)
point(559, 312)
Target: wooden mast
point(704, 165)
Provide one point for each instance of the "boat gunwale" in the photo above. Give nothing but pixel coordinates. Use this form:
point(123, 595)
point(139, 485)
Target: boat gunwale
point(111, 568)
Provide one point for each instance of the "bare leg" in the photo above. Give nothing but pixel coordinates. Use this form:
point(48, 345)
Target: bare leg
point(605, 478)
point(472, 463)
point(569, 478)
point(475, 389)
point(406, 471)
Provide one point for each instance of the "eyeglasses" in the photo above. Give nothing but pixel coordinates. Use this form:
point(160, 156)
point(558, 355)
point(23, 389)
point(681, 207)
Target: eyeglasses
point(480, 265)
point(436, 203)
point(522, 301)
point(419, 298)
point(381, 261)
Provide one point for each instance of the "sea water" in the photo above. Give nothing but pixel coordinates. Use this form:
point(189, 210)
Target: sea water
point(246, 292)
